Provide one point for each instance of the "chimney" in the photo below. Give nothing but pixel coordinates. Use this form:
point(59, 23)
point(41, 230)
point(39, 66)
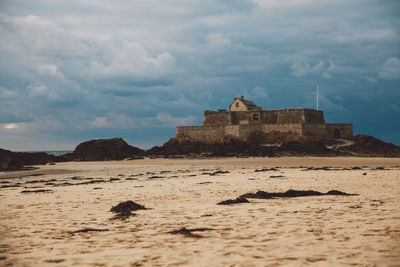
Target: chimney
point(242, 97)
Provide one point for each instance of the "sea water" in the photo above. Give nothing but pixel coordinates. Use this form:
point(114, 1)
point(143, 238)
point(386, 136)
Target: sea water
point(55, 152)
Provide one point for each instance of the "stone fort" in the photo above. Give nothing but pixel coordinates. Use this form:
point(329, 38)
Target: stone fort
point(245, 117)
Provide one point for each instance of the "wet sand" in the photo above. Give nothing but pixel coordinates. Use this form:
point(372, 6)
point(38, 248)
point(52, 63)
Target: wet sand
point(63, 218)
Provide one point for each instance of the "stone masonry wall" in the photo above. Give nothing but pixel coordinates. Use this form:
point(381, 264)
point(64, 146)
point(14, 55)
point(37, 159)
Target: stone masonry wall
point(290, 116)
point(313, 116)
point(201, 133)
point(269, 116)
point(315, 130)
point(245, 130)
point(345, 130)
point(217, 118)
point(295, 128)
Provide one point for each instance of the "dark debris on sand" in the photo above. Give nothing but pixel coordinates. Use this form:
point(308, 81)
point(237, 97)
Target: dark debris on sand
point(123, 210)
point(156, 177)
point(188, 232)
point(294, 193)
point(276, 176)
point(266, 170)
point(233, 201)
point(11, 185)
point(37, 191)
point(86, 230)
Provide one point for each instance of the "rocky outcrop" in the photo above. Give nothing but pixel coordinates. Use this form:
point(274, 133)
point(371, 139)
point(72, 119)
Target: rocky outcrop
point(252, 147)
point(277, 144)
point(275, 137)
point(282, 145)
point(177, 146)
point(10, 161)
point(309, 147)
point(365, 145)
point(103, 149)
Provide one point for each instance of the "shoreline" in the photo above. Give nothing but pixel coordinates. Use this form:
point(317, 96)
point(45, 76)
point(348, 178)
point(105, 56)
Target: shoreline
point(70, 167)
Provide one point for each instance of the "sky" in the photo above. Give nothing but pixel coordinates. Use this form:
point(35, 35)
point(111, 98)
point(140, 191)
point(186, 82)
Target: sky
point(71, 71)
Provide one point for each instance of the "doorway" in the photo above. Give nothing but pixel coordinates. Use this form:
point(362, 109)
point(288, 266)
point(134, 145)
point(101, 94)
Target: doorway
point(337, 133)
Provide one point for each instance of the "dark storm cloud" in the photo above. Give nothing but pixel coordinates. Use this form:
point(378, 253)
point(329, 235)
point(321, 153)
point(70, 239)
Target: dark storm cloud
point(75, 70)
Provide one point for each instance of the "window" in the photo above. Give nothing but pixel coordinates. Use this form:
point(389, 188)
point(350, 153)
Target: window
point(237, 104)
point(255, 117)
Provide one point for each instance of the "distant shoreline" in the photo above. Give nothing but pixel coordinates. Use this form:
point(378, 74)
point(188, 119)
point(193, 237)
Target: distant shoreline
point(49, 152)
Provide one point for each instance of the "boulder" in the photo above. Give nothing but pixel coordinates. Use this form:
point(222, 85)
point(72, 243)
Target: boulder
point(104, 149)
point(16, 160)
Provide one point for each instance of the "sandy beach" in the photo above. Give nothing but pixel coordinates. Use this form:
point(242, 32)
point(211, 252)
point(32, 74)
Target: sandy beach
point(59, 215)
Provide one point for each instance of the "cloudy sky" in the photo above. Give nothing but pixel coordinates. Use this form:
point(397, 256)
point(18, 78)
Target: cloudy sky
point(74, 70)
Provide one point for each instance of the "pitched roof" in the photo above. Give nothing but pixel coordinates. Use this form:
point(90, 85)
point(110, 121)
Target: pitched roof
point(249, 104)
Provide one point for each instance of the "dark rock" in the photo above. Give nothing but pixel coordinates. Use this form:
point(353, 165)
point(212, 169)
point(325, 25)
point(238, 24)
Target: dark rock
point(339, 193)
point(127, 206)
point(104, 149)
point(310, 147)
point(370, 146)
point(230, 148)
point(11, 161)
point(233, 201)
point(379, 168)
point(356, 168)
point(293, 193)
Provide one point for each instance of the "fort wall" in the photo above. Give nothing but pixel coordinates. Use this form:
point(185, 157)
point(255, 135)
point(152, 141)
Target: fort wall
point(217, 118)
point(202, 133)
point(245, 130)
point(313, 116)
point(294, 128)
point(244, 117)
point(315, 130)
point(340, 130)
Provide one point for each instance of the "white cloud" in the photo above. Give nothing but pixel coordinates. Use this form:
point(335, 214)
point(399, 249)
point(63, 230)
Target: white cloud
point(217, 40)
point(41, 90)
point(260, 92)
point(8, 94)
point(370, 35)
point(100, 122)
point(11, 126)
point(171, 121)
point(390, 70)
point(302, 69)
point(132, 61)
point(50, 70)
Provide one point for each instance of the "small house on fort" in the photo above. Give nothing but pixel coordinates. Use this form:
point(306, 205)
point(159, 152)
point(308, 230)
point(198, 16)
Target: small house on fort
point(245, 117)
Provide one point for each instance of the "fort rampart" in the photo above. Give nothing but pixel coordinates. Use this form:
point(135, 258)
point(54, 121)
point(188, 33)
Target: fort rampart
point(244, 117)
